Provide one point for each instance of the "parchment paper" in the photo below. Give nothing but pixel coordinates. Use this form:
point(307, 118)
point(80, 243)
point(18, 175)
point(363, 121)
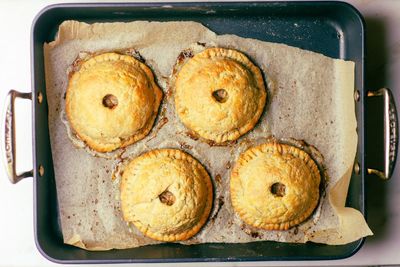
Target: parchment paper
point(310, 98)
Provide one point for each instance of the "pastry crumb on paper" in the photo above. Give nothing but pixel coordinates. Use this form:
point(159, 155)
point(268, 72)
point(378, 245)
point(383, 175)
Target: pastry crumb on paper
point(310, 97)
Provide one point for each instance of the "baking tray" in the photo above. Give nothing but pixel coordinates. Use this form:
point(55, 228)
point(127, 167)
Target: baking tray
point(335, 29)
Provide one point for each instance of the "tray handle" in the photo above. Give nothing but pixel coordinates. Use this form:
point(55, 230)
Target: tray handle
point(390, 133)
point(9, 137)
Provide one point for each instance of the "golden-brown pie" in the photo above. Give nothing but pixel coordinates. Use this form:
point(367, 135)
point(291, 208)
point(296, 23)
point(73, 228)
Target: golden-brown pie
point(112, 101)
point(274, 186)
point(219, 94)
point(166, 194)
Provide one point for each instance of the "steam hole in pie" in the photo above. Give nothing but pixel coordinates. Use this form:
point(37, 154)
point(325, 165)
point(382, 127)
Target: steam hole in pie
point(220, 95)
point(167, 198)
point(278, 189)
point(110, 101)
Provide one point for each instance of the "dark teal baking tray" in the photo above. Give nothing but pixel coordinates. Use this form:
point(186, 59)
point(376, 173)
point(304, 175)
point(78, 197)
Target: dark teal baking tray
point(334, 29)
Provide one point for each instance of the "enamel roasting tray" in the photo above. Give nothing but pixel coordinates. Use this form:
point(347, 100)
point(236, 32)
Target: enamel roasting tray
point(334, 29)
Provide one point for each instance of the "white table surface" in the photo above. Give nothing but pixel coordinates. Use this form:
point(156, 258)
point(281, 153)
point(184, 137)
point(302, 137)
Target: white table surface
point(17, 247)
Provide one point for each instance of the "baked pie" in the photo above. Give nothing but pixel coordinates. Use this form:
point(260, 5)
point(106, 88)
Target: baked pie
point(219, 94)
point(166, 194)
point(274, 186)
point(112, 101)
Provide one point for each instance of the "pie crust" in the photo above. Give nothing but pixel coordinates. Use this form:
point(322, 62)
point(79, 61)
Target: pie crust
point(219, 94)
point(166, 194)
point(274, 186)
point(112, 101)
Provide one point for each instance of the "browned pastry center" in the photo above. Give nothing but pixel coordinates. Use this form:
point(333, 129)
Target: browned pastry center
point(278, 189)
point(220, 95)
point(110, 101)
point(167, 198)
